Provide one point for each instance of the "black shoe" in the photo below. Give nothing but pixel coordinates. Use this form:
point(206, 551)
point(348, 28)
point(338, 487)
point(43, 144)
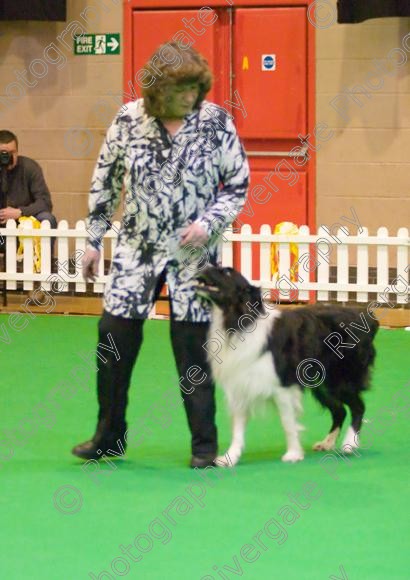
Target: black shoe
point(87, 450)
point(111, 444)
point(202, 462)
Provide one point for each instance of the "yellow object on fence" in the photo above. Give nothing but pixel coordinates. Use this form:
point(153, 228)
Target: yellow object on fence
point(36, 242)
point(290, 229)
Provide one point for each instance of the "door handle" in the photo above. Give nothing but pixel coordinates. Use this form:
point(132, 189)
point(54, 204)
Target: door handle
point(302, 153)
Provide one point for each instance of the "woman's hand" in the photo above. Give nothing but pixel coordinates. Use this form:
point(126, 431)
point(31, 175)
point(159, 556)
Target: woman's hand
point(90, 263)
point(194, 235)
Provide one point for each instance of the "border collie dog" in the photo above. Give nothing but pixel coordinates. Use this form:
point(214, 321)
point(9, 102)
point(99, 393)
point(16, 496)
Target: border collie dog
point(256, 353)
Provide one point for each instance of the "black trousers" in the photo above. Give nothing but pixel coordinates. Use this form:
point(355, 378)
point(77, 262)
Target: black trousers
point(114, 376)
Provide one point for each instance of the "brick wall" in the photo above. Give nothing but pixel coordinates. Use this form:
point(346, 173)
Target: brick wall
point(364, 165)
point(74, 93)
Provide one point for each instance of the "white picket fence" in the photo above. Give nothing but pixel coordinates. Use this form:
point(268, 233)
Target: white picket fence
point(340, 249)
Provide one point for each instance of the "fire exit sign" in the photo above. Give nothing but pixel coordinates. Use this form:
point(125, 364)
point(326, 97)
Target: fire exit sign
point(97, 44)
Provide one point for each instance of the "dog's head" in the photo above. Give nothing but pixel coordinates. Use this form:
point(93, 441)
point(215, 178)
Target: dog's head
point(229, 290)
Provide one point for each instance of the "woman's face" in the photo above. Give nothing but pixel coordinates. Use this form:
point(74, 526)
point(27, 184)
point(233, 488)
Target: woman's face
point(180, 99)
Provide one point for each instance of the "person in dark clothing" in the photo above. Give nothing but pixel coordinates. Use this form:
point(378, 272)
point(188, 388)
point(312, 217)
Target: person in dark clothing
point(23, 192)
point(27, 192)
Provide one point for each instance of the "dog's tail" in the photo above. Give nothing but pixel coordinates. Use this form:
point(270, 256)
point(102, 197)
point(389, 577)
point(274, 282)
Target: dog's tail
point(367, 349)
point(374, 326)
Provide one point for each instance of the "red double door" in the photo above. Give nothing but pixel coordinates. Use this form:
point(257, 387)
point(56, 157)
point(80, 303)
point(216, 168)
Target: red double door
point(263, 74)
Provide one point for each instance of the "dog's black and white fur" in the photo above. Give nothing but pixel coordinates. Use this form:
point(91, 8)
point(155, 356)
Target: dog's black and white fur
point(259, 353)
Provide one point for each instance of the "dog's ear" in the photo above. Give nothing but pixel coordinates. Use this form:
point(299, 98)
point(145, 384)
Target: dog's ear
point(256, 294)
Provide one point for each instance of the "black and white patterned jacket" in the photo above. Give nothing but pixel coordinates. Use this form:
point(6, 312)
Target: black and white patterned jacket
point(200, 174)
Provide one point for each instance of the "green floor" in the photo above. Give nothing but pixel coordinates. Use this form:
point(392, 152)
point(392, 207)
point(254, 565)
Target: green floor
point(60, 522)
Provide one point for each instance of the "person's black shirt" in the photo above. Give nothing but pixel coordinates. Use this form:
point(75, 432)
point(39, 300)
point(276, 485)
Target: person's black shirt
point(27, 189)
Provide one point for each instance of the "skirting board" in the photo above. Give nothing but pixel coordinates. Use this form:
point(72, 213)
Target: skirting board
point(397, 317)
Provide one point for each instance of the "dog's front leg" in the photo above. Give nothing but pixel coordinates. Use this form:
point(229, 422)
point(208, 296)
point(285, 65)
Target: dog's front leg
point(232, 456)
point(285, 401)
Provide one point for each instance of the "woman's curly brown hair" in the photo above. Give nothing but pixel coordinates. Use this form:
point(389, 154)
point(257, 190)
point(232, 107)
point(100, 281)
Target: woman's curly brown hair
point(172, 66)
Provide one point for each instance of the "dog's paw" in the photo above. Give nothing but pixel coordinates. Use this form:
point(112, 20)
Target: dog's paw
point(347, 448)
point(351, 441)
point(293, 455)
point(324, 445)
point(328, 443)
point(227, 460)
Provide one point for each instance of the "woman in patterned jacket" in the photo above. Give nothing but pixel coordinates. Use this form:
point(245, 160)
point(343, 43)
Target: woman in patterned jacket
point(185, 177)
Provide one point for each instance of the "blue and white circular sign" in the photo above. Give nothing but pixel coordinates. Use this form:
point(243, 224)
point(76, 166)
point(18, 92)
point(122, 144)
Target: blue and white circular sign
point(269, 62)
